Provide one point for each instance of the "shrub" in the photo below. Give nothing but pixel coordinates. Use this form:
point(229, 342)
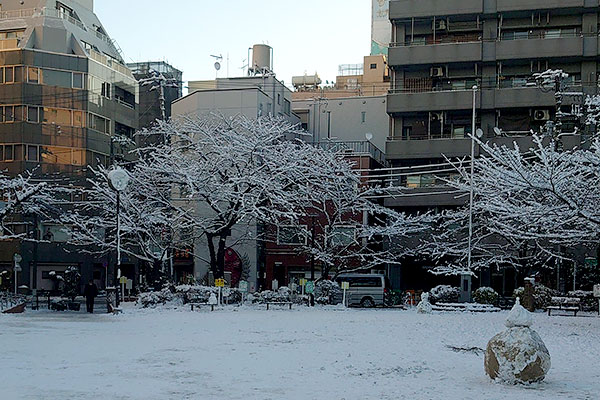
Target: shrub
point(587, 300)
point(542, 296)
point(183, 294)
point(485, 295)
point(444, 294)
point(328, 292)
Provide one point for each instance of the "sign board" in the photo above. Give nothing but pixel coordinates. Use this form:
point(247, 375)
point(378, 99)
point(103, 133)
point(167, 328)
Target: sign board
point(596, 290)
point(129, 284)
point(310, 287)
point(123, 279)
point(243, 286)
point(345, 285)
point(302, 282)
point(220, 282)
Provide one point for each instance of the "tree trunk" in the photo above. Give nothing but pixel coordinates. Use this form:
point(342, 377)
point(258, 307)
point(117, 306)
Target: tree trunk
point(217, 255)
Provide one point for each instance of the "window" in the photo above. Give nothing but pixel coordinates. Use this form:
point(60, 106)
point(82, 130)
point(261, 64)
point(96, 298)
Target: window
point(57, 116)
point(98, 123)
point(291, 235)
point(9, 114)
point(1, 153)
point(105, 90)
point(78, 120)
point(33, 114)
point(361, 281)
point(33, 75)
point(342, 236)
point(9, 74)
point(19, 75)
point(77, 80)
point(286, 106)
point(278, 98)
point(363, 117)
point(8, 152)
point(373, 66)
point(32, 153)
point(18, 152)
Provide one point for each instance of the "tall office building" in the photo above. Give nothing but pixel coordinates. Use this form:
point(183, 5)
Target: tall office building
point(65, 92)
point(440, 50)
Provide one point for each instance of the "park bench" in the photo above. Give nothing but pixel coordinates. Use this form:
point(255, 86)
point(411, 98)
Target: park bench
point(568, 304)
point(114, 310)
point(279, 303)
point(199, 305)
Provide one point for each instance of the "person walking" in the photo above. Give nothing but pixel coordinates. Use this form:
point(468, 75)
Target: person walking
point(90, 292)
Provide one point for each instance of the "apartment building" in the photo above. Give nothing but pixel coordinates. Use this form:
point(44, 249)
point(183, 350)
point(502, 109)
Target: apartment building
point(65, 93)
point(440, 49)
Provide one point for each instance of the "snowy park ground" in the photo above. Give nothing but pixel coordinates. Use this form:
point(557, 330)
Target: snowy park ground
point(251, 353)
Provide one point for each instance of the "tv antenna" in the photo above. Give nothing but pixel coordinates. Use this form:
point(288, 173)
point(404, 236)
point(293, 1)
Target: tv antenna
point(218, 60)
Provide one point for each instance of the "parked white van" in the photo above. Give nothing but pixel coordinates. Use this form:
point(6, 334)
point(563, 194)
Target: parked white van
point(365, 290)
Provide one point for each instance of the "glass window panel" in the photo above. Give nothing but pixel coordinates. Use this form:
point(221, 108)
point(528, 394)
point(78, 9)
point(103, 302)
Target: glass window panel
point(56, 155)
point(19, 113)
point(33, 75)
point(18, 152)
point(78, 119)
point(1, 153)
point(1, 75)
point(57, 78)
point(8, 152)
point(32, 153)
point(77, 80)
point(9, 74)
point(1, 114)
point(413, 181)
point(33, 114)
point(19, 74)
point(9, 114)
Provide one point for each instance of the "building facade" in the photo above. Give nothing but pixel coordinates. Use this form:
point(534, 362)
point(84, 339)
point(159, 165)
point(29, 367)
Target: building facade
point(440, 50)
point(65, 93)
point(150, 103)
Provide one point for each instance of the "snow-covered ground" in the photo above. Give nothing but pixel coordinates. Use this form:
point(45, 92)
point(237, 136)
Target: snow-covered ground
point(251, 353)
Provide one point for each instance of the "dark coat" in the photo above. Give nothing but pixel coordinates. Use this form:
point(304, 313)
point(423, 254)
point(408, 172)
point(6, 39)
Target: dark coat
point(90, 291)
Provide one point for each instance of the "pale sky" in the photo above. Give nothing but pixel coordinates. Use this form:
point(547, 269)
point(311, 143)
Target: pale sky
point(307, 36)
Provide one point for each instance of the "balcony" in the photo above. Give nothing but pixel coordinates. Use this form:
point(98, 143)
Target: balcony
point(433, 148)
point(434, 53)
point(404, 102)
point(521, 5)
point(569, 46)
point(419, 8)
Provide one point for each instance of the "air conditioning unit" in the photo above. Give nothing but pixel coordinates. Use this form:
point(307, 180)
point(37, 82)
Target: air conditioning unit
point(440, 25)
point(437, 72)
point(541, 115)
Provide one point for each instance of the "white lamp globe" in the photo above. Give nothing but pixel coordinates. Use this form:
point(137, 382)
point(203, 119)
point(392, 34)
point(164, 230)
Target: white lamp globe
point(118, 179)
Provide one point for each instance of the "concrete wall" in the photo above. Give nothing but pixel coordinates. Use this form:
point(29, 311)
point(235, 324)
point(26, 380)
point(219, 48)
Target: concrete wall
point(342, 119)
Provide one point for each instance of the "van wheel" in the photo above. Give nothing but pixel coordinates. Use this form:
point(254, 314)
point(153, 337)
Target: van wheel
point(367, 302)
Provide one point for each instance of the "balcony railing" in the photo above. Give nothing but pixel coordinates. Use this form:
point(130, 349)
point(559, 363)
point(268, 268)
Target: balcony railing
point(354, 148)
point(426, 85)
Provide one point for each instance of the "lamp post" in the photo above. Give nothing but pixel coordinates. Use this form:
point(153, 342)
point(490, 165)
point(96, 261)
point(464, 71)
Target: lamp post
point(17, 267)
point(479, 133)
point(118, 180)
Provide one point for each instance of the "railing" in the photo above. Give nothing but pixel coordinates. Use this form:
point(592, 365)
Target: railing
point(426, 85)
point(54, 13)
point(102, 59)
point(354, 148)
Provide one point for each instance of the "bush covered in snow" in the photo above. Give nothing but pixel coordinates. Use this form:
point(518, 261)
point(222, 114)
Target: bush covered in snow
point(283, 294)
point(485, 295)
point(542, 296)
point(328, 292)
point(183, 294)
point(444, 294)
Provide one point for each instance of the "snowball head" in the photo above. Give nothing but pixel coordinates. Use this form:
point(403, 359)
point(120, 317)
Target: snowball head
point(517, 355)
point(518, 316)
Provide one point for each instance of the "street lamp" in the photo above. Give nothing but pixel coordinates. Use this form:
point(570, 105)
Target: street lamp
point(118, 180)
point(479, 134)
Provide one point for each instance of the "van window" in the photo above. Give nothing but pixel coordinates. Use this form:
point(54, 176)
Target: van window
point(362, 281)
